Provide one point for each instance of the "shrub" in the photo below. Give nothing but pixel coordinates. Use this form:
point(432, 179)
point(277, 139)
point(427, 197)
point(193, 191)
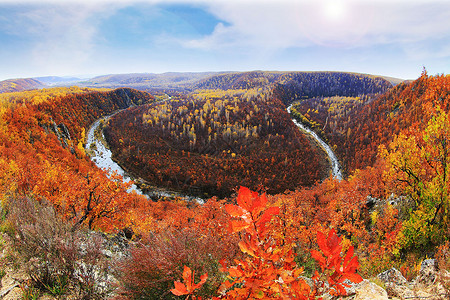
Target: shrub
point(154, 264)
point(57, 259)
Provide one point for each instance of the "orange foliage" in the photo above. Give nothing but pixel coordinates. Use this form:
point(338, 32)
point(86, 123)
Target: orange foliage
point(358, 125)
point(40, 159)
point(210, 146)
point(258, 237)
point(269, 269)
point(188, 287)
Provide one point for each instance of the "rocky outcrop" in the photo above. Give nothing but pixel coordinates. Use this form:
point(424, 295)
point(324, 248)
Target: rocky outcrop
point(10, 284)
point(368, 290)
point(431, 283)
point(62, 133)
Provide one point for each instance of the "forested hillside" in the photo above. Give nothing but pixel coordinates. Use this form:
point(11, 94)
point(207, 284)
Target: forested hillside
point(148, 81)
point(289, 86)
point(306, 85)
point(17, 85)
point(73, 231)
point(210, 143)
point(42, 153)
point(232, 127)
point(356, 126)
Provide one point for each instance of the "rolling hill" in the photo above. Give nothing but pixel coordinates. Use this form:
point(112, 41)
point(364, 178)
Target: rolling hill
point(17, 85)
point(148, 81)
point(226, 124)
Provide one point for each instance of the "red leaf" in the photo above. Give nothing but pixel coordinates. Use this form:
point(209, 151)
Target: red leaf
point(234, 210)
point(333, 242)
point(202, 281)
point(235, 272)
point(352, 265)
point(238, 225)
point(267, 216)
point(319, 258)
point(349, 255)
point(244, 198)
point(322, 242)
point(259, 203)
point(245, 248)
point(341, 290)
point(188, 287)
point(353, 277)
point(187, 278)
point(180, 289)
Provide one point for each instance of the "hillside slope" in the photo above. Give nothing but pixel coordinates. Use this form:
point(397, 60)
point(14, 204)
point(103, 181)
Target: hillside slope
point(356, 126)
point(231, 121)
point(17, 85)
point(148, 81)
point(42, 154)
point(60, 214)
point(211, 143)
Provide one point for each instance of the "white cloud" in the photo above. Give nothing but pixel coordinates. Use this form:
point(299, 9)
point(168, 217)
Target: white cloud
point(65, 35)
point(61, 37)
point(336, 23)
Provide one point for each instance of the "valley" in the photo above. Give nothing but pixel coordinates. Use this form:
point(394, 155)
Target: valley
point(275, 204)
point(234, 126)
point(100, 154)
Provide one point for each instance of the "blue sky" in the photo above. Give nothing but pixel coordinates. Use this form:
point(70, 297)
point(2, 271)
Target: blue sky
point(92, 37)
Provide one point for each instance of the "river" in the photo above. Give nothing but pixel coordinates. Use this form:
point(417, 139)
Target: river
point(102, 157)
point(336, 171)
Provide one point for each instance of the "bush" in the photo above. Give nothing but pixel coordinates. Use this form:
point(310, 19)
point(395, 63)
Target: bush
point(154, 264)
point(58, 260)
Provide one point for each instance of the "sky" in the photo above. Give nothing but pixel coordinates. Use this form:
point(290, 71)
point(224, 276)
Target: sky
point(86, 38)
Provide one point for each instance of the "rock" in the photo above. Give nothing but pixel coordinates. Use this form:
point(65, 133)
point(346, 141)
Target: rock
point(368, 290)
point(430, 284)
point(432, 281)
point(396, 284)
point(10, 284)
point(392, 276)
point(14, 294)
point(427, 273)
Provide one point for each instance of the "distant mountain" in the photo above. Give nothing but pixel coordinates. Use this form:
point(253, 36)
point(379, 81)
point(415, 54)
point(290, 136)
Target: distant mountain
point(240, 80)
point(394, 81)
point(145, 81)
point(221, 80)
point(22, 84)
point(57, 80)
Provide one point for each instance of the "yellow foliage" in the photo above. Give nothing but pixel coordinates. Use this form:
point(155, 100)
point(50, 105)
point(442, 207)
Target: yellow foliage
point(374, 217)
point(43, 95)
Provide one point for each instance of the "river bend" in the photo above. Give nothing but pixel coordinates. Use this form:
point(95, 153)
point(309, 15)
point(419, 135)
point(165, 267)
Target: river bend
point(102, 156)
point(336, 171)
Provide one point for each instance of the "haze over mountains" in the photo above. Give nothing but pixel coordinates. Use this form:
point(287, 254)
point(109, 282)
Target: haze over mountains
point(141, 81)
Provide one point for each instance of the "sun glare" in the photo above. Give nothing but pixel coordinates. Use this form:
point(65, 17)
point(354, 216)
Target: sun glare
point(334, 10)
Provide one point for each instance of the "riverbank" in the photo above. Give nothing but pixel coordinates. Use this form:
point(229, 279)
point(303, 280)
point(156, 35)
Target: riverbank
point(336, 170)
point(98, 150)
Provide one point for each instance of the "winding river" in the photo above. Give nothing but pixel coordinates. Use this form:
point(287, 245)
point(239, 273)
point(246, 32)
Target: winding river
point(102, 156)
point(336, 170)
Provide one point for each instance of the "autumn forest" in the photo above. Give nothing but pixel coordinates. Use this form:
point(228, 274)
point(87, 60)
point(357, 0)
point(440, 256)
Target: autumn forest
point(272, 222)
